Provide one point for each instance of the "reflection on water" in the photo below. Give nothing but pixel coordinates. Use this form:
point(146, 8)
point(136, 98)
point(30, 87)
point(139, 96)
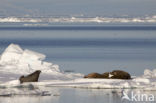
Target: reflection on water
point(78, 95)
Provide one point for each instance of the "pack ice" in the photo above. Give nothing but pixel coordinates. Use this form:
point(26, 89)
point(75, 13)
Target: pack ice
point(15, 62)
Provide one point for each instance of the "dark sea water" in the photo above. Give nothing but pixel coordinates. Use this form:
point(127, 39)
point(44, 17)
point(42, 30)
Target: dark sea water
point(85, 48)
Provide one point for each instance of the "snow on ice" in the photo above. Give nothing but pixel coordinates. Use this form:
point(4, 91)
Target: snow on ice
point(16, 61)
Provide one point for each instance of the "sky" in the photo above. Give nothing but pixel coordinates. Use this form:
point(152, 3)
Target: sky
point(78, 7)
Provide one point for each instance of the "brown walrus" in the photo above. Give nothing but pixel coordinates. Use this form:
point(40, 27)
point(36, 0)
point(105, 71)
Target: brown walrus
point(93, 75)
point(119, 74)
point(116, 74)
point(33, 77)
point(106, 75)
point(97, 75)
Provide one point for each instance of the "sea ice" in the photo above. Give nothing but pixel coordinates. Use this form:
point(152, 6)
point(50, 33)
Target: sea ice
point(16, 61)
point(149, 74)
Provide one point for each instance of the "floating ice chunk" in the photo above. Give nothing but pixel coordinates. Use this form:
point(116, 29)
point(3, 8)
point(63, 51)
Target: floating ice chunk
point(147, 72)
point(154, 73)
point(11, 54)
point(15, 60)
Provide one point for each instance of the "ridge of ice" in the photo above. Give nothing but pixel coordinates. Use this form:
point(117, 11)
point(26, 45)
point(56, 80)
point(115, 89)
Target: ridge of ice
point(16, 60)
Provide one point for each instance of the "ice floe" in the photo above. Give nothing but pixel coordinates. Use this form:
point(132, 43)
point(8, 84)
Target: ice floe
point(16, 61)
point(72, 19)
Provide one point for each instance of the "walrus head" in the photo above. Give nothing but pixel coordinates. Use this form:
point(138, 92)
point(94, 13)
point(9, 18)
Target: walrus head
point(21, 78)
point(39, 71)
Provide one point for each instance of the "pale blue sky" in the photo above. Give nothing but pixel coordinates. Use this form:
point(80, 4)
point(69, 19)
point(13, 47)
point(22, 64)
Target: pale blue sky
point(77, 7)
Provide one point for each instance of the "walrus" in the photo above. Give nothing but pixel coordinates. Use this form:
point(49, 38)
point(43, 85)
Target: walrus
point(106, 75)
point(93, 75)
point(119, 74)
point(33, 77)
point(97, 75)
point(116, 74)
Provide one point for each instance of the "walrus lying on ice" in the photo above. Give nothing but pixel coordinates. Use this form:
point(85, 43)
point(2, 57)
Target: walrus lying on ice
point(33, 77)
point(116, 74)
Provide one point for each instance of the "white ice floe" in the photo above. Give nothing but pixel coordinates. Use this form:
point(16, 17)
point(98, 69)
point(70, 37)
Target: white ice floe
point(146, 19)
point(16, 61)
point(150, 74)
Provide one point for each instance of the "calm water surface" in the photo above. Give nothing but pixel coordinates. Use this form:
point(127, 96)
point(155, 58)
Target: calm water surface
point(78, 95)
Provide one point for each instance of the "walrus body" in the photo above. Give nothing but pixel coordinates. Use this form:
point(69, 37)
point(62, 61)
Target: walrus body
point(106, 75)
point(93, 75)
point(33, 77)
point(116, 74)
